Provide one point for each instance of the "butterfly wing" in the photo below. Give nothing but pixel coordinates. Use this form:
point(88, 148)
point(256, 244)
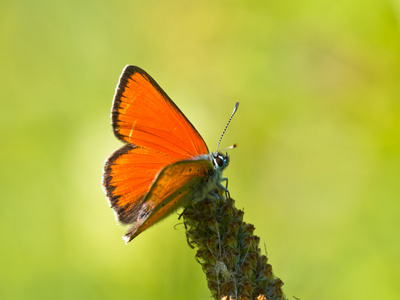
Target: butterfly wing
point(157, 135)
point(174, 185)
point(144, 115)
point(128, 175)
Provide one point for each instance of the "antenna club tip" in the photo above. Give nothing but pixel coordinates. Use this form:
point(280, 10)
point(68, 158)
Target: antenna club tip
point(235, 108)
point(235, 145)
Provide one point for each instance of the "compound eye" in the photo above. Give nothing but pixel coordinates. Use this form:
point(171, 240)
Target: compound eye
point(219, 161)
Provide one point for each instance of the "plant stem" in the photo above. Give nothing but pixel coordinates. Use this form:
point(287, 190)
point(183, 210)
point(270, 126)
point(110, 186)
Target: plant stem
point(229, 252)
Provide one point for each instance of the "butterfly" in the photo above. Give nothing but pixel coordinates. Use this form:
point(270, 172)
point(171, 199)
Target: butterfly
point(164, 162)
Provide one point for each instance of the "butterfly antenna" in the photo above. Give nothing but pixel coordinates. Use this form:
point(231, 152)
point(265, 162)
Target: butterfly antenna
point(227, 124)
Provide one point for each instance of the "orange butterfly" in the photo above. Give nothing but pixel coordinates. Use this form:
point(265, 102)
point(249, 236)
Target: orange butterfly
point(164, 163)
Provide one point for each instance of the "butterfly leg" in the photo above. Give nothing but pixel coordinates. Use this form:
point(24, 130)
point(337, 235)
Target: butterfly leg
point(215, 195)
point(227, 194)
point(226, 180)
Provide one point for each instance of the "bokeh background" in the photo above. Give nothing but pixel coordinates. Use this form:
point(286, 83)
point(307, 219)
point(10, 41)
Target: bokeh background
point(317, 170)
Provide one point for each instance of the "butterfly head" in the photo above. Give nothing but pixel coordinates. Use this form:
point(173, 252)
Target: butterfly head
point(220, 160)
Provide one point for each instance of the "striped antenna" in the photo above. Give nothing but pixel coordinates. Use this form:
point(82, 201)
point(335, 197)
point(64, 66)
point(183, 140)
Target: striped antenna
point(227, 124)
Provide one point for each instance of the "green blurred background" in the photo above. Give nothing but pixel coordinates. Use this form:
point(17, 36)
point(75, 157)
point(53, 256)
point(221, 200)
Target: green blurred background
point(316, 170)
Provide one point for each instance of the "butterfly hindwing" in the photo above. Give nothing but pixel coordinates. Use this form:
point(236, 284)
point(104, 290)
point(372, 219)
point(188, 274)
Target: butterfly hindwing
point(144, 115)
point(176, 184)
point(128, 175)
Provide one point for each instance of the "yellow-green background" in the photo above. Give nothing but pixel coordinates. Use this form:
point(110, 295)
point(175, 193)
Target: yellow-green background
point(317, 170)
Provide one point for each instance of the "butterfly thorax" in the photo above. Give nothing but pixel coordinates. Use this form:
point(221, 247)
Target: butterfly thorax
point(212, 181)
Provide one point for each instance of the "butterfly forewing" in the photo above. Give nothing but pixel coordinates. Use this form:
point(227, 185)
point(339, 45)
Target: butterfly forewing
point(176, 184)
point(144, 115)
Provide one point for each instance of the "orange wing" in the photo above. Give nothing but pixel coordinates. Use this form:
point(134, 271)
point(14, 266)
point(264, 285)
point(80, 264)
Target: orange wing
point(144, 115)
point(128, 175)
point(175, 184)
